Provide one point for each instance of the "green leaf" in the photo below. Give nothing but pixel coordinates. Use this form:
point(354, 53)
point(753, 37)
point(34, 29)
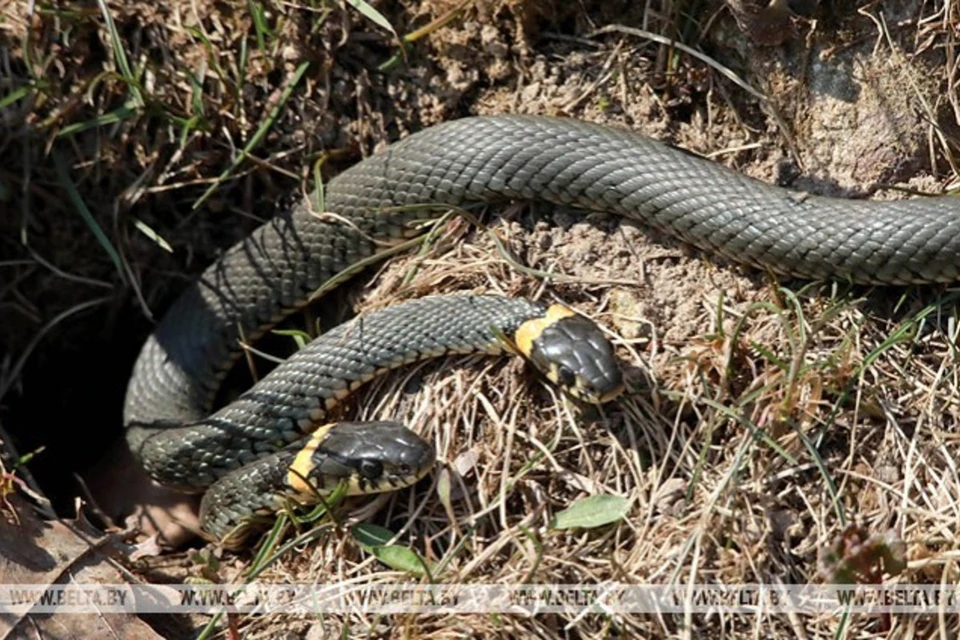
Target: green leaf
point(590, 512)
point(401, 559)
point(374, 539)
point(371, 535)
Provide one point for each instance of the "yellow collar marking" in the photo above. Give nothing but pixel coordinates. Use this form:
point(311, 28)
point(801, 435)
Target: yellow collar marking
point(531, 329)
point(303, 464)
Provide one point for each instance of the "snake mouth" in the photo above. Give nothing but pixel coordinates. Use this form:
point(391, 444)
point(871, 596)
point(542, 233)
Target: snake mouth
point(591, 393)
point(403, 477)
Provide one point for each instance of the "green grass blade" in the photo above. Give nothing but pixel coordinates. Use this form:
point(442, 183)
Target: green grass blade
point(84, 212)
point(117, 115)
point(148, 231)
point(373, 15)
point(258, 136)
point(120, 54)
point(14, 95)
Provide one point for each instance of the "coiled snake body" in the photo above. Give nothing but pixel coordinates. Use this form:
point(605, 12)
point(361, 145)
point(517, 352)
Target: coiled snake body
point(486, 159)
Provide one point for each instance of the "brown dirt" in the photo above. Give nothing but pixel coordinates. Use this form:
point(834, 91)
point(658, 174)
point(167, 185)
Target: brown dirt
point(856, 101)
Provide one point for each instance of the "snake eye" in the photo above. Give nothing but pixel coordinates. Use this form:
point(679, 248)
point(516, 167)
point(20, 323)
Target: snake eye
point(371, 469)
point(566, 376)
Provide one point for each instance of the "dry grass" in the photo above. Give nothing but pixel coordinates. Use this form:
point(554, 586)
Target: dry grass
point(757, 427)
point(743, 453)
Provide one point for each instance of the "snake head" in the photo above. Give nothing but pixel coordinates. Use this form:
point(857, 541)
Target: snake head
point(370, 457)
point(573, 353)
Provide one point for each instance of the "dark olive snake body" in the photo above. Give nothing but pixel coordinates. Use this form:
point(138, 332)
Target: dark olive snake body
point(498, 158)
point(300, 391)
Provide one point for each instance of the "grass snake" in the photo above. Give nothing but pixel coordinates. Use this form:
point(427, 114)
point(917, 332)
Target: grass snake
point(477, 160)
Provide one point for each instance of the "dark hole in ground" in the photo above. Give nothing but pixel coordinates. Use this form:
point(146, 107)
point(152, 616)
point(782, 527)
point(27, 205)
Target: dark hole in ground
point(70, 410)
point(72, 400)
